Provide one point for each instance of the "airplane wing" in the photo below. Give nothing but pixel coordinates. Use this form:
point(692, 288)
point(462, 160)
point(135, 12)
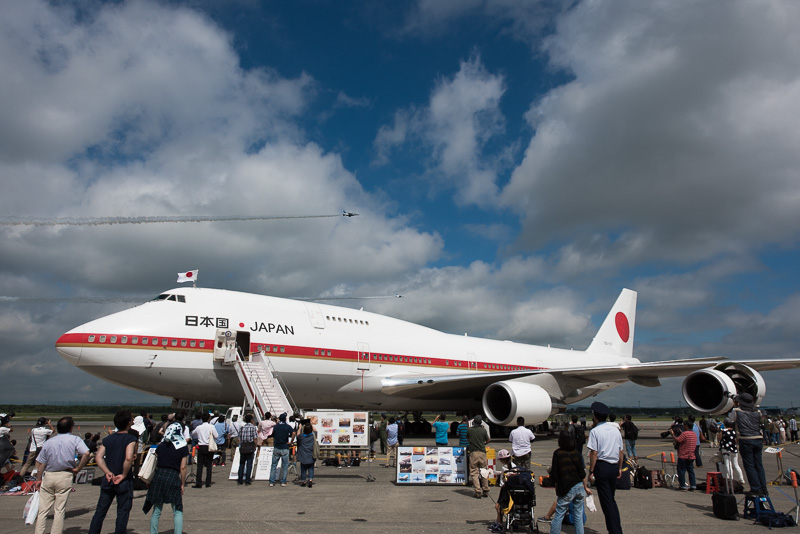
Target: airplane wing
point(644, 374)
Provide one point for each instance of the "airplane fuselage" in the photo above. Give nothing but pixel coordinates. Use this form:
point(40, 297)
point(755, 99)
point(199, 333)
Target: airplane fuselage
point(328, 356)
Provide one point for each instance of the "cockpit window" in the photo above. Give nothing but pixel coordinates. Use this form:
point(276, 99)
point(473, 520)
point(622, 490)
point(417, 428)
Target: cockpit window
point(173, 298)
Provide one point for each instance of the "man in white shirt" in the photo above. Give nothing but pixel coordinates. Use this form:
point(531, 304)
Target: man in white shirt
point(56, 465)
point(520, 439)
point(39, 435)
point(202, 435)
point(605, 464)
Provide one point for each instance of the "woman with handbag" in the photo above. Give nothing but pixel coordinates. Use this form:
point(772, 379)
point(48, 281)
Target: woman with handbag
point(170, 478)
point(307, 448)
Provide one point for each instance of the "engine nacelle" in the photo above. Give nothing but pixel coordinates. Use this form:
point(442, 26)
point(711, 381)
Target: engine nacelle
point(709, 390)
point(504, 401)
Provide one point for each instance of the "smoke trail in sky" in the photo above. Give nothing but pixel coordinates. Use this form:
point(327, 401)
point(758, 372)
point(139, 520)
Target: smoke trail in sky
point(90, 300)
point(104, 221)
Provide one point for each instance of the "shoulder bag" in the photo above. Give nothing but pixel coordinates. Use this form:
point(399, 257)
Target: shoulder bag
point(148, 470)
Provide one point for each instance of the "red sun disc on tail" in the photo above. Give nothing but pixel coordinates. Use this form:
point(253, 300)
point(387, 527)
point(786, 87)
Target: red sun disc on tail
point(623, 328)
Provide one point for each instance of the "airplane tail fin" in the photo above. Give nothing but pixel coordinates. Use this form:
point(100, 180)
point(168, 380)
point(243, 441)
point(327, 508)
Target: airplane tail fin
point(616, 333)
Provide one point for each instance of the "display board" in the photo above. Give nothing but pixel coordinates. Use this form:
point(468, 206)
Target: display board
point(431, 465)
point(341, 429)
point(262, 464)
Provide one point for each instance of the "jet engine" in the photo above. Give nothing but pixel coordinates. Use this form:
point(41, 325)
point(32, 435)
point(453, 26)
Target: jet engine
point(710, 390)
point(504, 401)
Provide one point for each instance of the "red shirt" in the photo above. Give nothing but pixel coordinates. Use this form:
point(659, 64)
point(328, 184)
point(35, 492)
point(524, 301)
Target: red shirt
point(687, 442)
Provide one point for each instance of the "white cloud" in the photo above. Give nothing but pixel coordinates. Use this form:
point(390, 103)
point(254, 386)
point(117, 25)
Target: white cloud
point(462, 115)
point(675, 134)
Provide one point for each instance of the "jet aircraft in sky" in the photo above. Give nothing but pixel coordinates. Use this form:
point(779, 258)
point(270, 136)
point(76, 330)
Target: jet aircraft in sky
point(331, 357)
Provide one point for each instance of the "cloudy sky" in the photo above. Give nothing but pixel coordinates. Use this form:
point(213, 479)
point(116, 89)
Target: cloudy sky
point(515, 164)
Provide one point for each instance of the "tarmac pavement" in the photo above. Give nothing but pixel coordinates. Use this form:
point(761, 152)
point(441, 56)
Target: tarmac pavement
point(344, 500)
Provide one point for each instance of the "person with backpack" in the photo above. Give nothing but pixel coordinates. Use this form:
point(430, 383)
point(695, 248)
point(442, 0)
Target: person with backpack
point(630, 435)
point(578, 431)
point(247, 449)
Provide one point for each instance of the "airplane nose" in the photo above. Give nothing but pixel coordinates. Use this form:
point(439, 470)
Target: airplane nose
point(70, 347)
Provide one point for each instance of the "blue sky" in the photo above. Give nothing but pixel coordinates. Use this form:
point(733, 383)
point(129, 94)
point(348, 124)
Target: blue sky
point(515, 164)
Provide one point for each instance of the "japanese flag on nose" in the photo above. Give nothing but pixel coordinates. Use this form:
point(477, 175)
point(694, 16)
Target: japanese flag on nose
point(188, 276)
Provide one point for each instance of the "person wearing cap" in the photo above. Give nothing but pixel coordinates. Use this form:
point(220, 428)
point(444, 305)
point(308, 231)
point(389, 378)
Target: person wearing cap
point(477, 437)
point(605, 464)
point(282, 435)
point(746, 420)
point(39, 435)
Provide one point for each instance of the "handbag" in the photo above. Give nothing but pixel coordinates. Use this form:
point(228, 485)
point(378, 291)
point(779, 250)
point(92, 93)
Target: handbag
point(31, 509)
point(315, 453)
point(212, 444)
point(148, 470)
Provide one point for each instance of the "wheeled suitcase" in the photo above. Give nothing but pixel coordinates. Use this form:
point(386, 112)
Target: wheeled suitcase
point(724, 504)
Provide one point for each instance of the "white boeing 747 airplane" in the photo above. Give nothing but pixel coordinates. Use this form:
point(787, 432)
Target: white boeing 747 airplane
point(339, 358)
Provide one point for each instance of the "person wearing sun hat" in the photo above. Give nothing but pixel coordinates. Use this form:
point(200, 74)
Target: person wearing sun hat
point(605, 464)
point(747, 421)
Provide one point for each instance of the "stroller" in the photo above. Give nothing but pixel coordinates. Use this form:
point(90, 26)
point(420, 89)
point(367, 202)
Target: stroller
point(521, 494)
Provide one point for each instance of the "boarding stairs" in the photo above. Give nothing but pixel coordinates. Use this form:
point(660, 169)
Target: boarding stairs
point(263, 389)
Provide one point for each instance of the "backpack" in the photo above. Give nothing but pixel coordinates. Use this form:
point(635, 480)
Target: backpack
point(775, 519)
point(577, 434)
point(643, 479)
point(373, 433)
point(631, 430)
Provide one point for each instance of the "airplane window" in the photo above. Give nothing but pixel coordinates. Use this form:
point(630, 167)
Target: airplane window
point(316, 353)
point(329, 353)
point(163, 296)
point(124, 339)
point(181, 298)
point(192, 343)
point(183, 342)
point(91, 339)
point(174, 343)
point(145, 340)
point(447, 362)
point(274, 349)
point(135, 340)
point(113, 339)
point(102, 339)
point(283, 349)
point(203, 344)
point(366, 323)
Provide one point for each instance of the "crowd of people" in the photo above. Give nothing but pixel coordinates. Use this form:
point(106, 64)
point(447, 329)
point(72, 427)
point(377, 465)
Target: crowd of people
point(58, 455)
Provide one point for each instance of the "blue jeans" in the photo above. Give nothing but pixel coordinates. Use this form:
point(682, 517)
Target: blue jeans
point(283, 456)
point(177, 519)
point(576, 496)
point(684, 464)
point(124, 495)
point(750, 451)
point(245, 467)
point(630, 448)
point(306, 469)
